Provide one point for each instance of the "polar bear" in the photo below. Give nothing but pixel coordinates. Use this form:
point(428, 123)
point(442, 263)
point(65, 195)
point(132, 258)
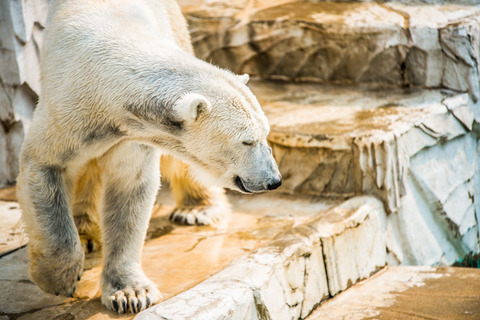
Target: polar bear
point(121, 88)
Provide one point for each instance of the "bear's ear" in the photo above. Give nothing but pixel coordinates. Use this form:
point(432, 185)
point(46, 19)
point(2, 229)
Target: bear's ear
point(190, 106)
point(244, 78)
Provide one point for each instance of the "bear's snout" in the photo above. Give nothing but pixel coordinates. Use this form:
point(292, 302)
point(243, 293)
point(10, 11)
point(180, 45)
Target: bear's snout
point(263, 174)
point(246, 185)
point(275, 185)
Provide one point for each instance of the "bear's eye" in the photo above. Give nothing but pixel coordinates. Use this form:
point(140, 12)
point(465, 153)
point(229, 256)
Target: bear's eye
point(248, 143)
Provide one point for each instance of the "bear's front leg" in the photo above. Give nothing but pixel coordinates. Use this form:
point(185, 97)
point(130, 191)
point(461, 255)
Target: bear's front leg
point(56, 255)
point(131, 181)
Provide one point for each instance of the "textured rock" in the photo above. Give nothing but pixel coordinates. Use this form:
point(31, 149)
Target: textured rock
point(438, 210)
point(288, 277)
point(8, 194)
point(408, 292)
point(175, 257)
point(352, 140)
point(414, 149)
point(11, 229)
point(11, 138)
point(476, 190)
point(354, 253)
point(18, 293)
point(21, 25)
point(393, 43)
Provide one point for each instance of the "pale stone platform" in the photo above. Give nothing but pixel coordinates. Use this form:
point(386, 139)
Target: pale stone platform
point(270, 242)
point(11, 230)
point(415, 149)
point(288, 277)
point(408, 293)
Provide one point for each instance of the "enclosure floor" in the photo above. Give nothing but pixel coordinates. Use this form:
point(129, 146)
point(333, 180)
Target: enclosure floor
point(408, 293)
point(175, 257)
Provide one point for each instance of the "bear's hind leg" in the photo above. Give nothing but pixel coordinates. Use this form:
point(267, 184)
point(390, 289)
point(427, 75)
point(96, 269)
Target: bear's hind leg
point(131, 180)
point(85, 207)
point(196, 204)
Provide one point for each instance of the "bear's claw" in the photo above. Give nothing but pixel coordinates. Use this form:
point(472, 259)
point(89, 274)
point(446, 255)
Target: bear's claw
point(200, 216)
point(115, 305)
point(89, 243)
point(73, 291)
point(89, 233)
point(133, 300)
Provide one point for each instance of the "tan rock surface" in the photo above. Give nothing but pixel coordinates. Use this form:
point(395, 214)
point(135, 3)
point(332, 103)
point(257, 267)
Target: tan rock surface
point(414, 149)
point(289, 276)
point(8, 194)
point(408, 293)
point(12, 235)
point(175, 257)
point(352, 140)
point(393, 44)
point(11, 228)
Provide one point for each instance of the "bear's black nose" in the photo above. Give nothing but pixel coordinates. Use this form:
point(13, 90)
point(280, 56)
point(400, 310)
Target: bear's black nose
point(275, 185)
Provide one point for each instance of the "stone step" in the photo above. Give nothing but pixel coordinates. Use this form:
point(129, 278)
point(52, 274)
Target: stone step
point(408, 293)
point(11, 229)
point(352, 140)
point(288, 277)
point(396, 43)
point(277, 255)
point(416, 150)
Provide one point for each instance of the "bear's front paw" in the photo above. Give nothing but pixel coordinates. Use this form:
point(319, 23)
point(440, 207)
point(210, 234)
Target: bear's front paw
point(199, 215)
point(135, 298)
point(57, 274)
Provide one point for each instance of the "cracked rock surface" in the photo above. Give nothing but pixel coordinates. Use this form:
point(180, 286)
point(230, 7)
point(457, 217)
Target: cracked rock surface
point(288, 277)
point(352, 140)
point(407, 44)
point(408, 292)
point(21, 34)
point(414, 149)
point(175, 257)
point(11, 228)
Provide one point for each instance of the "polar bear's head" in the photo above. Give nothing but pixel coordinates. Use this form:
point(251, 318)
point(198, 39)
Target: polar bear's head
point(223, 135)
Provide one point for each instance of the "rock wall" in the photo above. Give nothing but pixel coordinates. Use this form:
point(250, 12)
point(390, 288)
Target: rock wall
point(21, 25)
point(389, 43)
point(415, 151)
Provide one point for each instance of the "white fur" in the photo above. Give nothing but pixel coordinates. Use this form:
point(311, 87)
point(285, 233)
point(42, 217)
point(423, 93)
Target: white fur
point(119, 82)
point(244, 78)
point(192, 105)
